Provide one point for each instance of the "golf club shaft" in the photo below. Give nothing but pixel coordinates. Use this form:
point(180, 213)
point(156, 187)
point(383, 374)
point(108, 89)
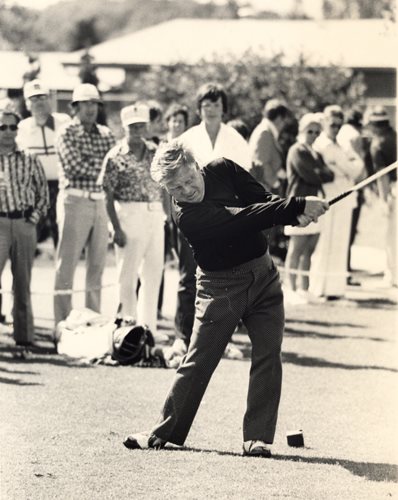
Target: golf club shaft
point(364, 183)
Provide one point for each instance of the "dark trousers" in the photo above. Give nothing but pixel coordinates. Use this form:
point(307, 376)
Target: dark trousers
point(185, 310)
point(251, 292)
point(18, 242)
point(354, 226)
point(47, 225)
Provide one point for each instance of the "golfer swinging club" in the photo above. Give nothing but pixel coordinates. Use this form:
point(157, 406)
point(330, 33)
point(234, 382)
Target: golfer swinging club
point(222, 210)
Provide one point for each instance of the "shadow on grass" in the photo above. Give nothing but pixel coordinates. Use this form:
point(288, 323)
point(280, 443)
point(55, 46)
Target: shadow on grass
point(17, 381)
point(17, 372)
point(292, 332)
point(323, 323)
point(301, 360)
point(370, 471)
point(40, 358)
point(375, 303)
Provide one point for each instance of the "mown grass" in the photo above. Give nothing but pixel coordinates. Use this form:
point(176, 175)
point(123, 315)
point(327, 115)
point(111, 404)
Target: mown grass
point(63, 423)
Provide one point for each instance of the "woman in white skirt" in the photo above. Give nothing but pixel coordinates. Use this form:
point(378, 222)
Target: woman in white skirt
point(306, 172)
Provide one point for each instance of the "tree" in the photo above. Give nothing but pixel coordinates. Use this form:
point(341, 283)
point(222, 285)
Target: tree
point(84, 34)
point(363, 9)
point(250, 81)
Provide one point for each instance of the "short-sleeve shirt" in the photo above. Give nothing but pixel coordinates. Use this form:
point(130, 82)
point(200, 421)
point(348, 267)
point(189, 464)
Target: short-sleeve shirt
point(128, 178)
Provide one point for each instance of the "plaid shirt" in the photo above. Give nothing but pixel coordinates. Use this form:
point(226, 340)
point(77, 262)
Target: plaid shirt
point(23, 184)
point(129, 179)
point(81, 154)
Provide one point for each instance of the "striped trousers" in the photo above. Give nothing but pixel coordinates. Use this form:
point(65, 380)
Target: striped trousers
point(251, 292)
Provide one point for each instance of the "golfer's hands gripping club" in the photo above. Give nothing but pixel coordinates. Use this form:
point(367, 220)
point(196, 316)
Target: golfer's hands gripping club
point(314, 207)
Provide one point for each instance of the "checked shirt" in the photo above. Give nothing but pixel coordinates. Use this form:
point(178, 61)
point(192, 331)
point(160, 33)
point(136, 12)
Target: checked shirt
point(81, 154)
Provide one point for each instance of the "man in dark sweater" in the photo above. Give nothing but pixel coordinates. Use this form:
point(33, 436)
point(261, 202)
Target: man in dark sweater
point(222, 211)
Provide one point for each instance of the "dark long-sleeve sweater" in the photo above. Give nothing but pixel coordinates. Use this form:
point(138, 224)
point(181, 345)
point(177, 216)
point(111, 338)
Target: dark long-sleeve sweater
point(225, 229)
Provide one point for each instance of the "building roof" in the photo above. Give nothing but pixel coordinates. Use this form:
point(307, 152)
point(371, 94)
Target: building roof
point(52, 72)
point(361, 43)
point(55, 72)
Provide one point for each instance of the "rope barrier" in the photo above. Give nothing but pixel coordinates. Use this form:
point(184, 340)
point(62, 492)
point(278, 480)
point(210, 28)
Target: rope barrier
point(282, 270)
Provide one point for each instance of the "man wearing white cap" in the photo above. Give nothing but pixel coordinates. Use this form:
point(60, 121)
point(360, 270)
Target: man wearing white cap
point(81, 212)
point(134, 203)
point(37, 135)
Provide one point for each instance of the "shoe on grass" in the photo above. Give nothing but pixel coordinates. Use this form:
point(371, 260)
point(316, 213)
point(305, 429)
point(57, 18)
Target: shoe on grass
point(256, 449)
point(143, 441)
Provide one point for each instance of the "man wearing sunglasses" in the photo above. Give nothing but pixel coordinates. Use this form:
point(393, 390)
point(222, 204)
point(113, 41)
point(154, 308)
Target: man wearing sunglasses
point(37, 134)
point(23, 200)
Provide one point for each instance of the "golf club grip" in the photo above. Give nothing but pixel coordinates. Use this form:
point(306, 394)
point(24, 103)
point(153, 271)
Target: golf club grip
point(339, 197)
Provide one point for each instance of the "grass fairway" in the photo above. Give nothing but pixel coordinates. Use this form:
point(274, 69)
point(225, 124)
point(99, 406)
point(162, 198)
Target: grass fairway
point(62, 423)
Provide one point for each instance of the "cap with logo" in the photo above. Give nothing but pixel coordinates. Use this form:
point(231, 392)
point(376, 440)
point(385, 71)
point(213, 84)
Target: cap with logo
point(85, 92)
point(35, 87)
point(136, 113)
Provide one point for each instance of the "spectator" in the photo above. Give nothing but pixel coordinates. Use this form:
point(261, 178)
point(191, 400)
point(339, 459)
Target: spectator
point(329, 262)
point(37, 134)
point(306, 172)
point(209, 140)
point(351, 140)
point(23, 200)
point(176, 118)
point(81, 212)
point(266, 154)
point(212, 138)
point(241, 127)
point(134, 203)
point(155, 126)
point(384, 152)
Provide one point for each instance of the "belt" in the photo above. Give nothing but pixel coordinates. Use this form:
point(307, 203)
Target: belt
point(17, 214)
point(82, 193)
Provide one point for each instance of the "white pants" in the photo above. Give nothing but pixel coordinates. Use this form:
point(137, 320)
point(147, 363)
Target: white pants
point(143, 256)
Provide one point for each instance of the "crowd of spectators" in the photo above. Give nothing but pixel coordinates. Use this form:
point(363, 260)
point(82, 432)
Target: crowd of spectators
point(67, 177)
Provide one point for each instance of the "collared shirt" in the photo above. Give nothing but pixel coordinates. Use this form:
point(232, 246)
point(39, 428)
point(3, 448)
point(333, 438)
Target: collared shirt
point(226, 228)
point(229, 144)
point(40, 140)
point(128, 178)
point(81, 154)
point(23, 183)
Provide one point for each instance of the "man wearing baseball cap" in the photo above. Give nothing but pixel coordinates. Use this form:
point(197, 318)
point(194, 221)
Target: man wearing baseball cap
point(81, 212)
point(134, 203)
point(37, 135)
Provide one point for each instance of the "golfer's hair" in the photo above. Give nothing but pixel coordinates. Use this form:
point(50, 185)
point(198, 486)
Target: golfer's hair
point(168, 160)
point(333, 111)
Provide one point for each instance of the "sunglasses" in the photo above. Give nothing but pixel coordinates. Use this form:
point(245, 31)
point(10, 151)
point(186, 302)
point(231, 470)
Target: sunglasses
point(313, 132)
point(335, 125)
point(12, 127)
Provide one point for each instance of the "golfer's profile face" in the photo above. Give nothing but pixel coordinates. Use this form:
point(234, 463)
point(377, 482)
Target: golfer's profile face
point(188, 186)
